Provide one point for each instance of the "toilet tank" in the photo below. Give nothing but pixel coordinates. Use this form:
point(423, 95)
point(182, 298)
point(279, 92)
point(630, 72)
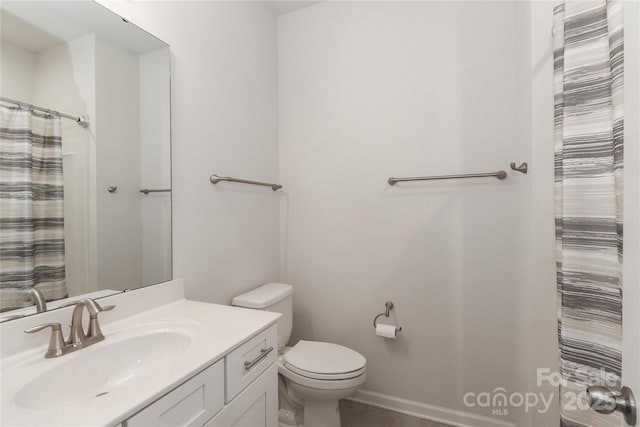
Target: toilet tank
point(274, 297)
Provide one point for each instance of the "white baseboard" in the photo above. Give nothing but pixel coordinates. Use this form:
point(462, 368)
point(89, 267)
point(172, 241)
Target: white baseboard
point(424, 411)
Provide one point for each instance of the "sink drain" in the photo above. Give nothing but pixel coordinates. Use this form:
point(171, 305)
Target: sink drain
point(102, 394)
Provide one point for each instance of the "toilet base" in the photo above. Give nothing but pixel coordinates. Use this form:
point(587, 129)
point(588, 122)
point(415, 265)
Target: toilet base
point(318, 414)
point(310, 402)
point(321, 413)
point(293, 412)
point(287, 418)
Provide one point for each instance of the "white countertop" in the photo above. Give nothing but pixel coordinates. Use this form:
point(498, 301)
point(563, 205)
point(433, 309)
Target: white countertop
point(217, 329)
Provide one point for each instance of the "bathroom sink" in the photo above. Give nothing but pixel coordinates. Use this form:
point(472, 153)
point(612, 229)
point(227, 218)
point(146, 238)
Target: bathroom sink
point(143, 357)
point(110, 366)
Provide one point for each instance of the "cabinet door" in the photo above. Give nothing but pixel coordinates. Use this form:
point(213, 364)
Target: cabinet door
point(190, 404)
point(255, 406)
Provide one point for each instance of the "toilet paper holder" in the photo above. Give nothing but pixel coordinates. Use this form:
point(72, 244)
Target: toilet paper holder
point(388, 307)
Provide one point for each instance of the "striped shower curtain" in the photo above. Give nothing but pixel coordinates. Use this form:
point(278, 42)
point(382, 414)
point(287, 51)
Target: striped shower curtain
point(31, 207)
point(588, 77)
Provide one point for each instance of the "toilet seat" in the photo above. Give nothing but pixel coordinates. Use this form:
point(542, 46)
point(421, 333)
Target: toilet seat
point(324, 361)
point(316, 376)
point(319, 384)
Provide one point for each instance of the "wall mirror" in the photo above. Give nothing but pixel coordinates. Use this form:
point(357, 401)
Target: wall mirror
point(84, 210)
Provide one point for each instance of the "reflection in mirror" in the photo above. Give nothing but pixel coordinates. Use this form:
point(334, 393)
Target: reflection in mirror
point(74, 220)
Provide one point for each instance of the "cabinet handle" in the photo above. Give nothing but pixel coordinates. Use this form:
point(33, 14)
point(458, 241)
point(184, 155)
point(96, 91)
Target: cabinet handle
point(263, 353)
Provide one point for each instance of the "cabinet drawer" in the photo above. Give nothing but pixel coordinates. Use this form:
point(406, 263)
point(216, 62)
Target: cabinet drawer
point(192, 403)
point(247, 362)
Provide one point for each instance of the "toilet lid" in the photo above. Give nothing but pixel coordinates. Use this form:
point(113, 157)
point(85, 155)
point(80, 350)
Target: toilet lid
point(324, 360)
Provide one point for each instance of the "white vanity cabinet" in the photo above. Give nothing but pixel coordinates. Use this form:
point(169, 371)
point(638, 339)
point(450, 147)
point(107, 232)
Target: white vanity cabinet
point(241, 389)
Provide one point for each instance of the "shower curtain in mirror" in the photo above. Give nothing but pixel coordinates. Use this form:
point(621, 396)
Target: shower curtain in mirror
point(588, 78)
point(31, 207)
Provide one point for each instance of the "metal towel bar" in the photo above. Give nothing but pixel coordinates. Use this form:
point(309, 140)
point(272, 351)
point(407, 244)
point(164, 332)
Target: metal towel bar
point(499, 174)
point(216, 179)
point(147, 191)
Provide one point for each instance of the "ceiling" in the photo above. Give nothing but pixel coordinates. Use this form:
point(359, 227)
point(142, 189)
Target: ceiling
point(286, 6)
point(20, 33)
point(38, 25)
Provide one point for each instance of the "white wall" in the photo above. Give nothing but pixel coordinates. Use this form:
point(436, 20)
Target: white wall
point(369, 90)
point(116, 125)
point(224, 121)
point(631, 276)
point(155, 164)
point(17, 71)
point(65, 81)
point(536, 333)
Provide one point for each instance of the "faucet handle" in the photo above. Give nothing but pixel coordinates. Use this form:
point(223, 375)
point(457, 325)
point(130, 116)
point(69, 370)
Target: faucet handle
point(57, 346)
point(55, 326)
point(98, 308)
point(93, 307)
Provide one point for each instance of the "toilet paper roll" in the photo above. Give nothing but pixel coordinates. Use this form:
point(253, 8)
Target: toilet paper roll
point(386, 331)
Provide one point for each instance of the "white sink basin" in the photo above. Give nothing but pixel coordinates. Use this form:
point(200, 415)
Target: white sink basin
point(110, 366)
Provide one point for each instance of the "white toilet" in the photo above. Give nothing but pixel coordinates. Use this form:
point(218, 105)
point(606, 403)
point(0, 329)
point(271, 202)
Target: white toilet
point(313, 375)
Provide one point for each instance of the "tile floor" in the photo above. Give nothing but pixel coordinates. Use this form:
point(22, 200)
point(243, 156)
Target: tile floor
point(354, 414)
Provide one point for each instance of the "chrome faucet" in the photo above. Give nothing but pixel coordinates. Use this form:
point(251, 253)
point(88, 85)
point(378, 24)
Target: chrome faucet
point(78, 338)
point(34, 296)
point(57, 346)
point(38, 299)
